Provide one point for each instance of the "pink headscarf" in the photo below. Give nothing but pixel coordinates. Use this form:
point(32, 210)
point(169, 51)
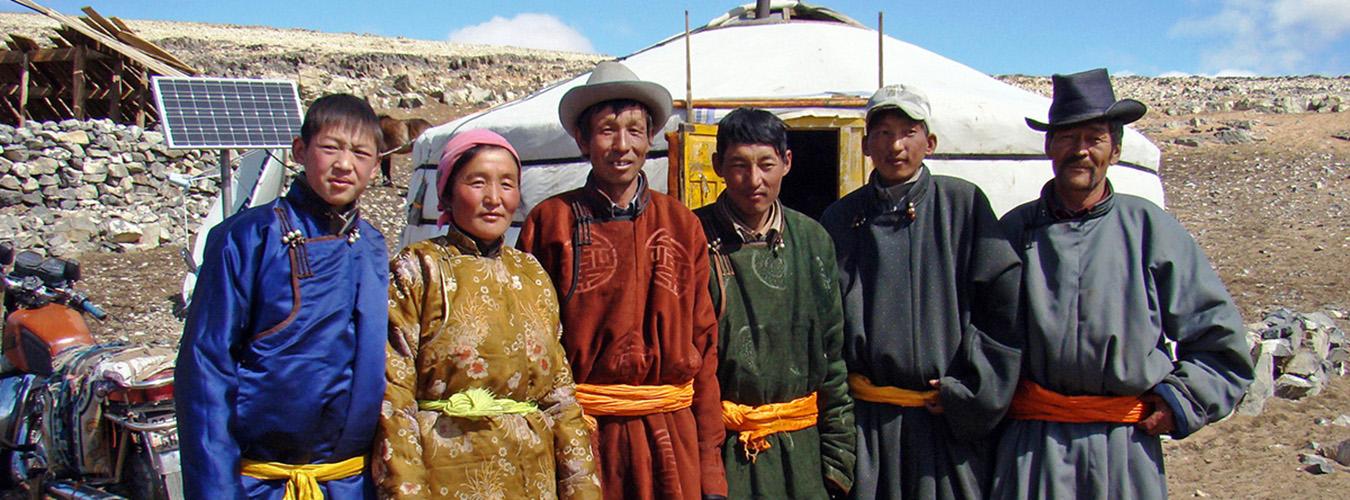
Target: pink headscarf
point(456, 148)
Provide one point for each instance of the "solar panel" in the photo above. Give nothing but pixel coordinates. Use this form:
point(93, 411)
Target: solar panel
point(228, 113)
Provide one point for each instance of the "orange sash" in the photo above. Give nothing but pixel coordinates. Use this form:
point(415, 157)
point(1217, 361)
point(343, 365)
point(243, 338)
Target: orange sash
point(633, 400)
point(862, 388)
point(757, 423)
point(1033, 402)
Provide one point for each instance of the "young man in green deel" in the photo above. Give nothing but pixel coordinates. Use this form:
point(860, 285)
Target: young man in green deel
point(785, 397)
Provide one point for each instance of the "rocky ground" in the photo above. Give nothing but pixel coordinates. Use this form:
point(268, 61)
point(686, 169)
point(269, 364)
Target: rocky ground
point(1258, 169)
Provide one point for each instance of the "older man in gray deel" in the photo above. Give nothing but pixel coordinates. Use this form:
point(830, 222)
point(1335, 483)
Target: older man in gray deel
point(1109, 281)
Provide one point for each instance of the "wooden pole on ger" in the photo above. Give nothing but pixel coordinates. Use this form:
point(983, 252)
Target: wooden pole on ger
point(688, 74)
point(881, 45)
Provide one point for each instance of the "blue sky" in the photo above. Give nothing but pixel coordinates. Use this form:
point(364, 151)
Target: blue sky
point(1146, 37)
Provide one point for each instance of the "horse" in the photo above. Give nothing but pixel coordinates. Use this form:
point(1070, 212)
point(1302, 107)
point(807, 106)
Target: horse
point(398, 138)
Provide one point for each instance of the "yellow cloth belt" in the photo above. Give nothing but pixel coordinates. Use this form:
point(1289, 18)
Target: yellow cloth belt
point(633, 400)
point(1033, 402)
point(476, 403)
point(757, 423)
point(863, 389)
point(302, 481)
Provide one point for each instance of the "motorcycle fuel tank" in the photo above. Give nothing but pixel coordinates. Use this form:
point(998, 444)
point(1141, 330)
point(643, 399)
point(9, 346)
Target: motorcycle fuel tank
point(33, 337)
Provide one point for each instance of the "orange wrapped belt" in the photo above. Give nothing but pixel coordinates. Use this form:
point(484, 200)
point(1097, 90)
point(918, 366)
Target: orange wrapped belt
point(1033, 402)
point(756, 423)
point(862, 388)
point(633, 400)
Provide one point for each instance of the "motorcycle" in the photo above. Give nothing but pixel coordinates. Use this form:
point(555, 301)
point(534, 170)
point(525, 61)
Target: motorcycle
point(79, 419)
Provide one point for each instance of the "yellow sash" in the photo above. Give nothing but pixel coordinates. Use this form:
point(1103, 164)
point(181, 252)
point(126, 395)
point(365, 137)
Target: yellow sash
point(756, 423)
point(863, 389)
point(302, 481)
point(476, 403)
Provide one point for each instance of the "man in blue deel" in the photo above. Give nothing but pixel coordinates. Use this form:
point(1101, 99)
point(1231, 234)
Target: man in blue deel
point(281, 371)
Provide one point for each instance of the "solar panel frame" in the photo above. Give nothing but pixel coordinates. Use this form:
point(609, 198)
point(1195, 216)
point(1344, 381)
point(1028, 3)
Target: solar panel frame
point(227, 113)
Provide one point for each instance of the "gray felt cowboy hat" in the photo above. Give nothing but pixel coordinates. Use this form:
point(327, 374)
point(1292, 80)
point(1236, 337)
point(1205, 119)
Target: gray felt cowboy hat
point(1084, 97)
point(611, 80)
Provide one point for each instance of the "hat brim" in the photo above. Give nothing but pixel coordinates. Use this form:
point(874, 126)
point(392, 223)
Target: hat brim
point(913, 112)
point(1123, 111)
point(655, 97)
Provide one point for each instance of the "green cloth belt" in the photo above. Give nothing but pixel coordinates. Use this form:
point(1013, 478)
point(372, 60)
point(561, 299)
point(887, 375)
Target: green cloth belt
point(476, 403)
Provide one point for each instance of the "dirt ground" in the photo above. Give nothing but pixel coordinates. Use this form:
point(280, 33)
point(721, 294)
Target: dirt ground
point(1271, 214)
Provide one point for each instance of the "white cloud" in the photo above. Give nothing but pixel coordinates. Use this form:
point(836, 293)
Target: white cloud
point(1265, 37)
point(529, 30)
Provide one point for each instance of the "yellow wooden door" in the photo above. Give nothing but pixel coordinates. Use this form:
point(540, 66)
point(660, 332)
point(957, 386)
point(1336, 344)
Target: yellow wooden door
point(853, 165)
point(698, 184)
point(693, 180)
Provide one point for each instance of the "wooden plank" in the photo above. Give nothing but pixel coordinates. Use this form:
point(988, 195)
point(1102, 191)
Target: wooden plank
point(115, 91)
point(100, 21)
point(12, 109)
point(77, 88)
point(121, 25)
point(807, 102)
point(23, 90)
point(46, 55)
point(155, 51)
point(136, 56)
point(142, 91)
point(96, 27)
point(25, 43)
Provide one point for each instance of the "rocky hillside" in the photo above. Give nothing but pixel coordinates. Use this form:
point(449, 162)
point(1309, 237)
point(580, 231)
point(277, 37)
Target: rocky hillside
point(391, 72)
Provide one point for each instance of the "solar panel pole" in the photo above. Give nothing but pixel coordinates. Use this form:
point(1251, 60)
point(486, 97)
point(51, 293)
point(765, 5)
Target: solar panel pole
point(226, 198)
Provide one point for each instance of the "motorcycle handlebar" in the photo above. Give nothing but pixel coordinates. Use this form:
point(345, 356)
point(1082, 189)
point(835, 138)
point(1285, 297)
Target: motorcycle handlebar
point(93, 310)
point(35, 289)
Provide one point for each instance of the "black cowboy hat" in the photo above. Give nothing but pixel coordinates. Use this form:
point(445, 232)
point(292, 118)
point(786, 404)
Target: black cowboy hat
point(1084, 97)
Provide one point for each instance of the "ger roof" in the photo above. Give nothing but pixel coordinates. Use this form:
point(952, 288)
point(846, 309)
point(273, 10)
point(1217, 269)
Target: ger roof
point(974, 115)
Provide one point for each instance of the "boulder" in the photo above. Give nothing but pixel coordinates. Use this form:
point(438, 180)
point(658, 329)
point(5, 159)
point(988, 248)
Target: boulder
point(43, 166)
point(123, 231)
point(1316, 464)
point(1304, 364)
point(86, 192)
point(1294, 387)
point(1263, 385)
point(10, 198)
point(73, 137)
point(1342, 453)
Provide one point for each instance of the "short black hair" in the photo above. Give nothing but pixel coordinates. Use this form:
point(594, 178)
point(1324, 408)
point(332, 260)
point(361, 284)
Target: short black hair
point(342, 110)
point(1115, 128)
point(752, 126)
point(897, 112)
point(584, 120)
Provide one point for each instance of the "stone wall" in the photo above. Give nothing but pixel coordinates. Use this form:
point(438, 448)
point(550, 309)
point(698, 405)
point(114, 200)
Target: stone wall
point(79, 186)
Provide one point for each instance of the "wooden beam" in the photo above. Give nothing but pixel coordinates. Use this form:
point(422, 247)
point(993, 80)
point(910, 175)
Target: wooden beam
point(155, 51)
point(24, 43)
point(28, 93)
point(141, 92)
point(121, 25)
point(115, 45)
point(77, 89)
point(808, 102)
point(97, 20)
point(115, 89)
point(23, 90)
point(46, 55)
